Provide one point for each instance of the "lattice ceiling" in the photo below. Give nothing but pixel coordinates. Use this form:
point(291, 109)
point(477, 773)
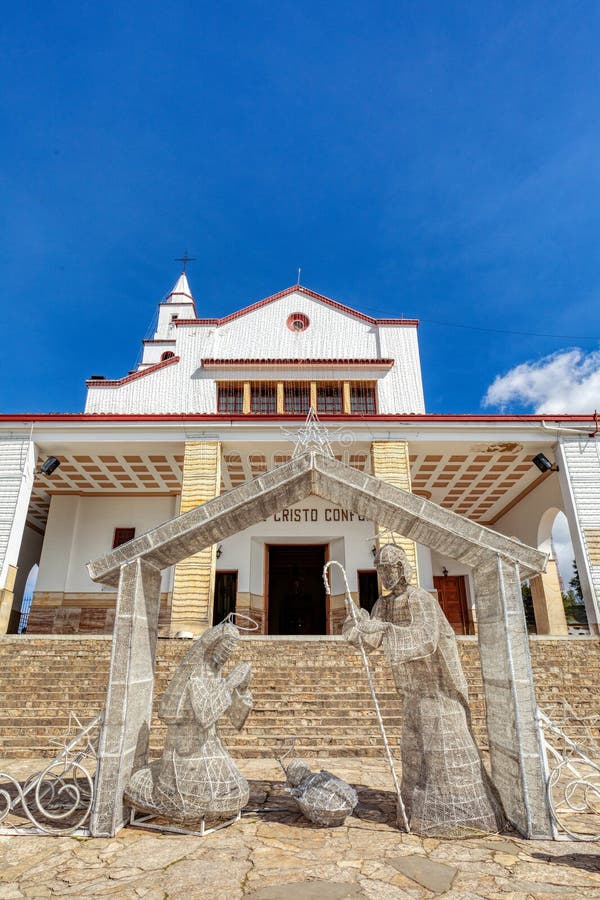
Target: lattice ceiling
point(480, 482)
point(105, 474)
point(238, 468)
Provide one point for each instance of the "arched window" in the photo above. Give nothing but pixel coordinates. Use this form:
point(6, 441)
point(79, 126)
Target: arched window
point(546, 528)
point(168, 354)
point(27, 598)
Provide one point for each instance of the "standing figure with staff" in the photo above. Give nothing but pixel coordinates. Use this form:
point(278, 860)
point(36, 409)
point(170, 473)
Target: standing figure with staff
point(445, 789)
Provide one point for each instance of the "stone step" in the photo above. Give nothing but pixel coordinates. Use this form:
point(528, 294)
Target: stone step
point(315, 691)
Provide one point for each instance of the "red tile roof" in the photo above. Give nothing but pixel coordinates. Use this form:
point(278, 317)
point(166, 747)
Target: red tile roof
point(117, 382)
point(387, 363)
point(302, 290)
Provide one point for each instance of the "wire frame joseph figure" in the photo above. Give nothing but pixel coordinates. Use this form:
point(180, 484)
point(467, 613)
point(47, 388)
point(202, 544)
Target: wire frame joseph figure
point(445, 788)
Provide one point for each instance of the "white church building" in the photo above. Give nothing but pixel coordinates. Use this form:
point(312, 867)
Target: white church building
point(215, 402)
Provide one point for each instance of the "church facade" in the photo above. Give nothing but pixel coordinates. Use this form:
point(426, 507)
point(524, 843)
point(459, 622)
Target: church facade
point(216, 402)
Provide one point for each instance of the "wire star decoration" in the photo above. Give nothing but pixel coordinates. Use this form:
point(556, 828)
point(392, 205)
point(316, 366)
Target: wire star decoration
point(313, 435)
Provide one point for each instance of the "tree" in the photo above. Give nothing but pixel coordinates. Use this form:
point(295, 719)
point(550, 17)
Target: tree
point(575, 584)
point(573, 601)
point(528, 607)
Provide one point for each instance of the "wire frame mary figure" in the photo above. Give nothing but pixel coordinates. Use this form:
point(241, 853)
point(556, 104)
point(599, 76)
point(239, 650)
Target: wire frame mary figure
point(196, 778)
point(445, 788)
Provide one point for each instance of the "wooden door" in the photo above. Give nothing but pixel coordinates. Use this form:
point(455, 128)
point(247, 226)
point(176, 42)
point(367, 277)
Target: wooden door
point(296, 602)
point(452, 597)
point(225, 595)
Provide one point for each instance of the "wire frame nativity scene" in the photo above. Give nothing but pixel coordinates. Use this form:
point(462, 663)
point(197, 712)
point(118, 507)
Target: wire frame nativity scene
point(538, 780)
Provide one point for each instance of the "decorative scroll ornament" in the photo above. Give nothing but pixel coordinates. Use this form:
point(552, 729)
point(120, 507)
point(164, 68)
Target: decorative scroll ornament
point(573, 782)
point(59, 799)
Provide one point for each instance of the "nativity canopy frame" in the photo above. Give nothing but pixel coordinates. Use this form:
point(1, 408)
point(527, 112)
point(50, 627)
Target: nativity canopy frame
point(499, 564)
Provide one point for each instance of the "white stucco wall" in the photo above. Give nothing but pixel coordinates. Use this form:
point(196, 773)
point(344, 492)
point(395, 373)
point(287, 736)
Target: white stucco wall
point(454, 567)
point(17, 464)
point(579, 462)
point(263, 334)
point(523, 520)
point(402, 388)
point(350, 543)
point(425, 566)
point(81, 528)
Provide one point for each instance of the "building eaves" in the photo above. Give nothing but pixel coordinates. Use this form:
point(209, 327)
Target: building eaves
point(119, 382)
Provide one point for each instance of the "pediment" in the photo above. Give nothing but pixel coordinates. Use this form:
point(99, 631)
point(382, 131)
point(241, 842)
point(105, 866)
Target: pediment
point(303, 292)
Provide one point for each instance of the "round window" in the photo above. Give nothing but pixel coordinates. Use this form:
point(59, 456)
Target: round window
point(297, 322)
point(168, 354)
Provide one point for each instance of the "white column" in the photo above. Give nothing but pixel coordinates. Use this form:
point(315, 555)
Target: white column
point(57, 550)
point(17, 471)
point(578, 461)
point(425, 567)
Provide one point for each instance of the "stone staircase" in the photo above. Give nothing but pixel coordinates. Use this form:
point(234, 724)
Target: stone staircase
point(313, 691)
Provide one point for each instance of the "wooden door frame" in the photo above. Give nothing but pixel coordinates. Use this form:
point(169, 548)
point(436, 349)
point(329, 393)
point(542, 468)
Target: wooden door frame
point(235, 572)
point(461, 581)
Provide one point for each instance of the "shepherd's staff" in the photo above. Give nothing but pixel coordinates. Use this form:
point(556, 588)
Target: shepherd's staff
point(350, 606)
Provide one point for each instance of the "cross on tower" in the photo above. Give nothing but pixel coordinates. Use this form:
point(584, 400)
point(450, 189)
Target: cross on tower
point(185, 259)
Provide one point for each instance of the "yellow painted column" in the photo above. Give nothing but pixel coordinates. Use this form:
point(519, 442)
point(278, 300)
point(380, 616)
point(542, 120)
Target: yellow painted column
point(547, 602)
point(6, 599)
point(246, 398)
point(194, 583)
point(346, 395)
point(390, 462)
point(280, 398)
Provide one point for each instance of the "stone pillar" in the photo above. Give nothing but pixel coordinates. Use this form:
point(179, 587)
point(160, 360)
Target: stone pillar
point(390, 462)
point(194, 582)
point(17, 471)
point(125, 732)
point(514, 739)
point(547, 602)
point(578, 459)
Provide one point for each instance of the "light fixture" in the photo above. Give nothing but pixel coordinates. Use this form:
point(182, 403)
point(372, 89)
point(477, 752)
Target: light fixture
point(444, 571)
point(49, 465)
point(219, 551)
point(544, 464)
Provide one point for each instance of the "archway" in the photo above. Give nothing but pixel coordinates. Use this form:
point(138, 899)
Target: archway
point(498, 562)
point(568, 574)
point(27, 598)
point(546, 591)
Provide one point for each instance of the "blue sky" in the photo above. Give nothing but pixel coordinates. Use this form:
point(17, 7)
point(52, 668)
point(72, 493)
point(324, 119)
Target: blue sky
point(436, 160)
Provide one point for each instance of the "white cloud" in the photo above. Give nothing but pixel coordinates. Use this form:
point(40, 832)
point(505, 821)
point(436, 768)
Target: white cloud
point(564, 382)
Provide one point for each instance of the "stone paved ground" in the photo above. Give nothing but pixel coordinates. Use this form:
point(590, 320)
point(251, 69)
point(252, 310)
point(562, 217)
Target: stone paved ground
point(282, 857)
